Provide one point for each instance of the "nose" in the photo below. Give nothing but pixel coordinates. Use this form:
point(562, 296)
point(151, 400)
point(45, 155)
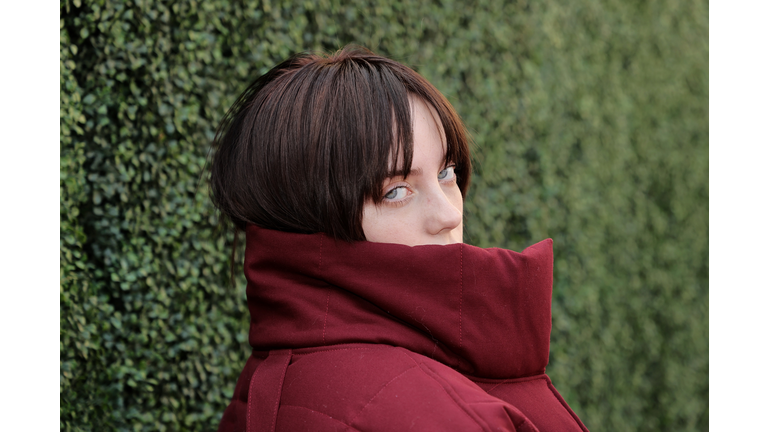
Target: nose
point(443, 216)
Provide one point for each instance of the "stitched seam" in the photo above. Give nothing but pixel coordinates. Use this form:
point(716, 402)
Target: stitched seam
point(511, 381)
point(248, 416)
point(320, 262)
point(494, 387)
point(327, 299)
point(325, 320)
point(369, 346)
point(421, 366)
point(461, 289)
point(440, 385)
point(488, 402)
point(318, 412)
point(504, 380)
point(378, 392)
point(299, 356)
point(407, 355)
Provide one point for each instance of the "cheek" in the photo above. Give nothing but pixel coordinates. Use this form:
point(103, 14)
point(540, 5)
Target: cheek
point(376, 224)
point(369, 216)
point(383, 225)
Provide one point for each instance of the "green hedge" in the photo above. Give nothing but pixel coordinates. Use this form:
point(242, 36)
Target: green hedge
point(591, 127)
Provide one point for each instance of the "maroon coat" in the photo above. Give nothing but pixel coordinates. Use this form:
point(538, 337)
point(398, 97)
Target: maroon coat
point(373, 336)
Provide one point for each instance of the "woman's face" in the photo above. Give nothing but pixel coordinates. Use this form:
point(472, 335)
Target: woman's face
point(427, 207)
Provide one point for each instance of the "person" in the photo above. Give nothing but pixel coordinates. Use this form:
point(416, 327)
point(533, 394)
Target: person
point(347, 173)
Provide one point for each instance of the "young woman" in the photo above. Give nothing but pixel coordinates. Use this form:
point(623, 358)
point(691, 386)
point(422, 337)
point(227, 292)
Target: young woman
point(348, 173)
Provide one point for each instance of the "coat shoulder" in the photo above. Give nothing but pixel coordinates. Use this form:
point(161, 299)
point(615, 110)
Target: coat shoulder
point(384, 388)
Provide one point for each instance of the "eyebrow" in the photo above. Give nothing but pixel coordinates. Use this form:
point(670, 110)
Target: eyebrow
point(400, 173)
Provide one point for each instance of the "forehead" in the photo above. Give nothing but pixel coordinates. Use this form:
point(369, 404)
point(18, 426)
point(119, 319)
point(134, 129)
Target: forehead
point(426, 119)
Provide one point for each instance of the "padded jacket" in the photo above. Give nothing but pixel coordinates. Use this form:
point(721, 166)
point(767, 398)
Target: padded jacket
point(383, 337)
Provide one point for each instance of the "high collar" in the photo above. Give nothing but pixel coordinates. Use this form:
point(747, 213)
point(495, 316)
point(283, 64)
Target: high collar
point(484, 312)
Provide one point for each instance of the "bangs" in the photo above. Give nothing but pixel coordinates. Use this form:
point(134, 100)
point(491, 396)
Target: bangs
point(400, 154)
point(456, 137)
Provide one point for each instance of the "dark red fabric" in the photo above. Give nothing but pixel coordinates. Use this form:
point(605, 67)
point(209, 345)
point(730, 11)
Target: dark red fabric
point(534, 396)
point(380, 387)
point(389, 337)
point(265, 390)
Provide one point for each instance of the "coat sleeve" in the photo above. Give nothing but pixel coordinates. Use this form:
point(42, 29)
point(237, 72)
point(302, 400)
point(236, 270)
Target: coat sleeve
point(382, 388)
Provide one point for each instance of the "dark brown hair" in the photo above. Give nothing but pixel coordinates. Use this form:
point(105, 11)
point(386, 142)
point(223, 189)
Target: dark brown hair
point(309, 142)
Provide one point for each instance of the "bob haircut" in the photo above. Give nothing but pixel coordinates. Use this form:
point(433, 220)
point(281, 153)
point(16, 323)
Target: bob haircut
point(309, 142)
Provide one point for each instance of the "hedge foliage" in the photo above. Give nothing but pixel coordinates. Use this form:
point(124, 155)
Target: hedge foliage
point(591, 125)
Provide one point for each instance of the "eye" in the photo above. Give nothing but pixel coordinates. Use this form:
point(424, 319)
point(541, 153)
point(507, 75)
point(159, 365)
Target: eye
point(396, 193)
point(447, 174)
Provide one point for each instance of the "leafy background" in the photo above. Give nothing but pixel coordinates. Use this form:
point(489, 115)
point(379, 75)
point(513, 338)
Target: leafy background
point(590, 119)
